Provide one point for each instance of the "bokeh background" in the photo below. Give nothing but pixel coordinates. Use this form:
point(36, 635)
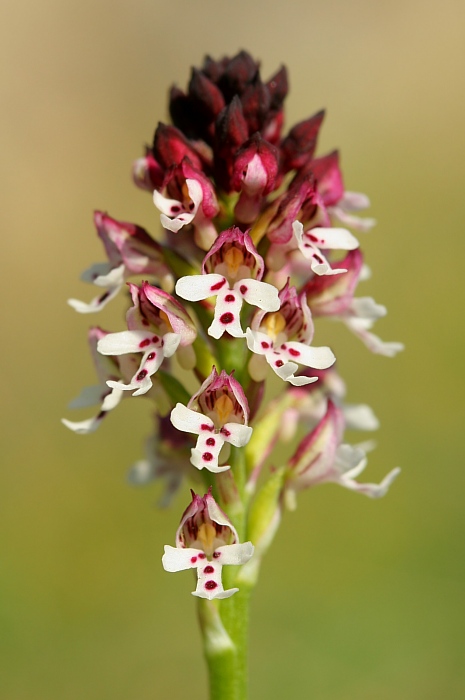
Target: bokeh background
point(358, 599)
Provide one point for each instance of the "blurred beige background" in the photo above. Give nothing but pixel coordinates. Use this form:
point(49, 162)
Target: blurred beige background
point(358, 599)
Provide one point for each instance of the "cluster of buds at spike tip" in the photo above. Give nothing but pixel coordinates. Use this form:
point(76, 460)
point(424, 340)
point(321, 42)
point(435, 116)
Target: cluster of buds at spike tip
point(258, 238)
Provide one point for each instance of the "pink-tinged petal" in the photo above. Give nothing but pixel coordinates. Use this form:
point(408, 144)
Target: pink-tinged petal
point(235, 554)
point(260, 294)
point(190, 421)
point(236, 434)
point(179, 558)
point(332, 238)
point(227, 317)
point(124, 342)
point(318, 358)
point(198, 287)
point(178, 318)
point(253, 263)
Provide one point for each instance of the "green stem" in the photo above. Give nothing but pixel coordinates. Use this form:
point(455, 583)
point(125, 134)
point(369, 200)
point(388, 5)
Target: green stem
point(220, 652)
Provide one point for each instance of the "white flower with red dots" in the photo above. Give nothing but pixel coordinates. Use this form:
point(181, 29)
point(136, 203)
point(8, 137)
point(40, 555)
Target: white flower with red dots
point(108, 368)
point(218, 413)
point(206, 540)
point(313, 241)
point(232, 271)
point(157, 324)
point(191, 200)
point(283, 339)
point(130, 250)
point(322, 457)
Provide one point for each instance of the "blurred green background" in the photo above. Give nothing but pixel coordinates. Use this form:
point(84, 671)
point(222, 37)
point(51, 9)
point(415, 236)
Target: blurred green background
point(358, 599)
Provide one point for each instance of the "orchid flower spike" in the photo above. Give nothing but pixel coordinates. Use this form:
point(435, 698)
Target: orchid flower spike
point(218, 413)
point(206, 540)
point(232, 271)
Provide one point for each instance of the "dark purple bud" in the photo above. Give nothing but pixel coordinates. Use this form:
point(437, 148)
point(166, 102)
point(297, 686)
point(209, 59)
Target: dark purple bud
point(255, 105)
point(299, 145)
point(170, 146)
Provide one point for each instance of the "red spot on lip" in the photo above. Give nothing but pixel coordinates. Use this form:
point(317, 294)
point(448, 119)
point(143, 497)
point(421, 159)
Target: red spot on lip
point(264, 345)
point(201, 555)
point(142, 374)
point(294, 353)
point(313, 238)
point(225, 432)
point(152, 356)
point(218, 285)
point(226, 318)
point(216, 555)
point(279, 363)
point(155, 339)
point(318, 259)
point(210, 441)
point(207, 456)
point(204, 426)
point(144, 343)
point(210, 585)
point(193, 560)
point(229, 297)
point(242, 289)
point(175, 209)
point(208, 570)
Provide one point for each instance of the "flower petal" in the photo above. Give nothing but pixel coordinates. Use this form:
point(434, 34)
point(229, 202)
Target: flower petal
point(198, 287)
point(179, 558)
point(260, 294)
point(189, 421)
point(237, 434)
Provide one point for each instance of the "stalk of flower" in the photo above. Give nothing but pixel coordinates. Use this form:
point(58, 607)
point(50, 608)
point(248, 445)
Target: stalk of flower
point(251, 221)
